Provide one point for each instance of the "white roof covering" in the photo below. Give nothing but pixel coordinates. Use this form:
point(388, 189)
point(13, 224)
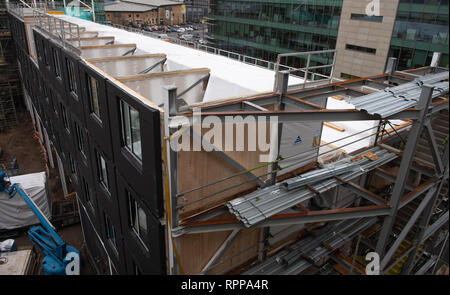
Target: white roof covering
point(229, 78)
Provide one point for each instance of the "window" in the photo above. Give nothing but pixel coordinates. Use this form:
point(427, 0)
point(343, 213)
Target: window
point(365, 17)
point(87, 192)
point(93, 96)
point(110, 231)
point(137, 271)
point(138, 218)
point(361, 48)
point(38, 49)
point(80, 139)
point(102, 171)
point(73, 166)
point(47, 62)
point(56, 61)
point(131, 130)
point(64, 117)
point(72, 78)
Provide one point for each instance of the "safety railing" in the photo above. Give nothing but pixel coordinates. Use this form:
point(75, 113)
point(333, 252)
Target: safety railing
point(307, 74)
point(308, 70)
point(57, 27)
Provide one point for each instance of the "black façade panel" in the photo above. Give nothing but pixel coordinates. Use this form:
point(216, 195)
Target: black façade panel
point(71, 78)
point(97, 116)
point(145, 249)
point(145, 175)
point(56, 74)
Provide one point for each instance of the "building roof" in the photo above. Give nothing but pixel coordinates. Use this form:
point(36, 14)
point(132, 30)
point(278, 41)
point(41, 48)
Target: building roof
point(119, 6)
point(155, 3)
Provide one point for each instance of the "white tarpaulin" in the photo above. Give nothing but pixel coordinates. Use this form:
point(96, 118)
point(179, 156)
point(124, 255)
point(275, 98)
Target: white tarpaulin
point(15, 212)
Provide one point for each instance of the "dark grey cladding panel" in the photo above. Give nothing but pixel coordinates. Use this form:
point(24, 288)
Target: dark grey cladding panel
point(55, 52)
point(74, 101)
point(106, 197)
point(82, 146)
point(94, 245)
point(147, 252)
point(88, 196)
point(67, 142)
point(144, 176)
point(99, 129)
point(116, 253)
point(44, 56)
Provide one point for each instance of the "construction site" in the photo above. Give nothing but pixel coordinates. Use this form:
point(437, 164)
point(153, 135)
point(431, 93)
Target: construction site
point(138, 155)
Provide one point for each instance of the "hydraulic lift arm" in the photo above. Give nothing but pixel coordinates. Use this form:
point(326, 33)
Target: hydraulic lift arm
point(58, 255)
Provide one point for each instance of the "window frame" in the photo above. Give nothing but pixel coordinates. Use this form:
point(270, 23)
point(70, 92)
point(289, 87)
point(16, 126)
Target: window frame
point(109, 225)
point(89, 79)
point(126, 115)
point(101, 177)
point(133, 210)
point(73, 88)
point(56, 60)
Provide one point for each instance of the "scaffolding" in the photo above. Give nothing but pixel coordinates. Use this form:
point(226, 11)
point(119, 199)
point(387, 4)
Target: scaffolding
point(10, 85)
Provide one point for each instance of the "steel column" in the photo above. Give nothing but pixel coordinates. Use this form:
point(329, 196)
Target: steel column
point(425, 220)
point(172, 165)
point(408, 226)
point(405, 166)
point(434, 148)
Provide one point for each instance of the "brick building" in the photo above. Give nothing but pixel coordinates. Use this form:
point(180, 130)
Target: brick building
point(146, 12)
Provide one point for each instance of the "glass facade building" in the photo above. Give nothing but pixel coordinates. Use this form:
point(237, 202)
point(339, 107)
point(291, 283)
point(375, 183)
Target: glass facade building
point(266, 28)
point(421, 28)
point(263, 29)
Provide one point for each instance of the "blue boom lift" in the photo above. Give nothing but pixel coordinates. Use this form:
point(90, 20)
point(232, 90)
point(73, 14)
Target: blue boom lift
point(57, 253)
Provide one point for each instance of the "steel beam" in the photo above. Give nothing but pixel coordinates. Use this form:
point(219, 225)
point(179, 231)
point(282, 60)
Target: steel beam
point(327, 115)
point(366, 194)
point(382, 173)
point(434, 148)
point(219, 253)
point(407, 228)
point(170, 109)
point(423, 224)
point(412, 195)
point(439, 257)
point(443, 220)
point(285, 219)
point(405, 166)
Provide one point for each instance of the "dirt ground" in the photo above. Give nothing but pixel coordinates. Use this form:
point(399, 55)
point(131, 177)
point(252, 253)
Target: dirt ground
point(22, 143)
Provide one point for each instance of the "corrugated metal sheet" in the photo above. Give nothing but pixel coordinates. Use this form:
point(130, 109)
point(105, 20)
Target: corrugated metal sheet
point(272, 200)
point(293, 262)
point(396, 99)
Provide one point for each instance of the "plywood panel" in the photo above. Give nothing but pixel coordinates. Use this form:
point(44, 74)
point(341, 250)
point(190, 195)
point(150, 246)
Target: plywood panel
point(196, 169)
point(197, 249)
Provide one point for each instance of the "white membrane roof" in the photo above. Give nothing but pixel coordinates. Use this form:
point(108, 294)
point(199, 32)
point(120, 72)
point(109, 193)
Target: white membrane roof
point(229, 78)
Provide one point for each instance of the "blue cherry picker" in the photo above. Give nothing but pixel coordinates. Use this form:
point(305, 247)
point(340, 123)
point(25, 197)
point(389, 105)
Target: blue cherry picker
point(60, 258)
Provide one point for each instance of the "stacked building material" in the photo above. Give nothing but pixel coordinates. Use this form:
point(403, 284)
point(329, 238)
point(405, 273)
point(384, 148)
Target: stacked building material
point(396, 99)
point(264, 203)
